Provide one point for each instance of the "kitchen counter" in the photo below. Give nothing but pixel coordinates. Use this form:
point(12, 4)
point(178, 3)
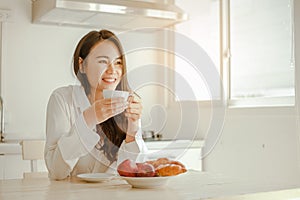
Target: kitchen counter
point(14, 146)
point(185, 151)
point(174, 144)
point(10, 147)
point(192, 185)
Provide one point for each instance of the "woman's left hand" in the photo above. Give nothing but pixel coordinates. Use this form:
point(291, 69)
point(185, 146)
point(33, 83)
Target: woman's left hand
point(133, 113)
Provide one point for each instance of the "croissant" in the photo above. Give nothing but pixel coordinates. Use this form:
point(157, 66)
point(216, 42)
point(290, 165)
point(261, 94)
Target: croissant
point(169, 170)
point(158, 162)
point(167, 167)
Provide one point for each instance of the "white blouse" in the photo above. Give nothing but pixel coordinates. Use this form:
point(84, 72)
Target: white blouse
point(71, 146)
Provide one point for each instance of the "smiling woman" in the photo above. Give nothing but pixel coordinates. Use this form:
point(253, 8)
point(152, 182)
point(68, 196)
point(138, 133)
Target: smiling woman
point(86, 132)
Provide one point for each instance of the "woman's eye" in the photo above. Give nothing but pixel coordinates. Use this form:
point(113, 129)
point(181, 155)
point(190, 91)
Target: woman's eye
point(118, 62)
point(103, 61)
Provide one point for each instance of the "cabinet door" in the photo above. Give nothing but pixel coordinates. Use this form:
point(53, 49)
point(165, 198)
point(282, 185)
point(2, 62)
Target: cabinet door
point(2, 167)
point(15, 166)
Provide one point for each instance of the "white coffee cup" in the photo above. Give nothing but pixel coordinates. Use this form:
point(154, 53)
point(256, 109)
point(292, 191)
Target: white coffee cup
point(108, 94)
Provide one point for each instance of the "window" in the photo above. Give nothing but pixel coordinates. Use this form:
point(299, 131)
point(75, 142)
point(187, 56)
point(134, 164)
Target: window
point(203, 29)
point(259, 41)
point(261, 45)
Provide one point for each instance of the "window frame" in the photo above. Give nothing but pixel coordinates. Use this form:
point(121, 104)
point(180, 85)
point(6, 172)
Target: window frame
point(281, 101)
point(225, 69)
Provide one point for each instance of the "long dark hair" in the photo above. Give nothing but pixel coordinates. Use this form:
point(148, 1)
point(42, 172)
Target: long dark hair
point(113, 130)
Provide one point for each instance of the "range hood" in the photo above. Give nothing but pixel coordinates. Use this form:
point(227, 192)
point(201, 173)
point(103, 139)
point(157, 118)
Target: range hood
point(115, 14)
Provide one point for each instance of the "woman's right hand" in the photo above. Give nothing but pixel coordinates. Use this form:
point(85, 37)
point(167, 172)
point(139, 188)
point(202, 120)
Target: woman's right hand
point(103, 109)
point(107, 108)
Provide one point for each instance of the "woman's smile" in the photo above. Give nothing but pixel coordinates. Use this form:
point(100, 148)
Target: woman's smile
point(109, 80)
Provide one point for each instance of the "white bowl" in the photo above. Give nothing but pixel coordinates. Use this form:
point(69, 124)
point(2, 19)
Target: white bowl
point(147, 182)
point(108, 94)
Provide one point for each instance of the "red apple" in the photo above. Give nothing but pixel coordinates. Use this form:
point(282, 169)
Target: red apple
point(145, 170)
point(127, 168)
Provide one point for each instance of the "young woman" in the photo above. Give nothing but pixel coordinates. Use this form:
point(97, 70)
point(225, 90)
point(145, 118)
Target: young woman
point(86, 133)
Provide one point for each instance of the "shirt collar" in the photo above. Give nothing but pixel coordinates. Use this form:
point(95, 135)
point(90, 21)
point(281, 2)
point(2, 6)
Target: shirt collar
point(80, 99)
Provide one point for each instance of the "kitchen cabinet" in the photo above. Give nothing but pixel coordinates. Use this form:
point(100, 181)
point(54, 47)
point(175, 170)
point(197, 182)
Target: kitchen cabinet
point(12, 165)
point(186, 151)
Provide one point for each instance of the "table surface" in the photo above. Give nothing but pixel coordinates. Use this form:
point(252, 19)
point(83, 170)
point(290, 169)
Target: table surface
point(192, 185)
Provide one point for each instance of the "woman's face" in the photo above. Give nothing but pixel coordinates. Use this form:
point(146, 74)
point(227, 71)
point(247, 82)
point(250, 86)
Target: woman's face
point(103, 66)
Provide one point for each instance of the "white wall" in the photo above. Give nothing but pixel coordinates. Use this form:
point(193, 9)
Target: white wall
point(258, 145)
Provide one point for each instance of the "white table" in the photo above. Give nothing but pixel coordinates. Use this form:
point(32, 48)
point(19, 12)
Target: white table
point(193, 185)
